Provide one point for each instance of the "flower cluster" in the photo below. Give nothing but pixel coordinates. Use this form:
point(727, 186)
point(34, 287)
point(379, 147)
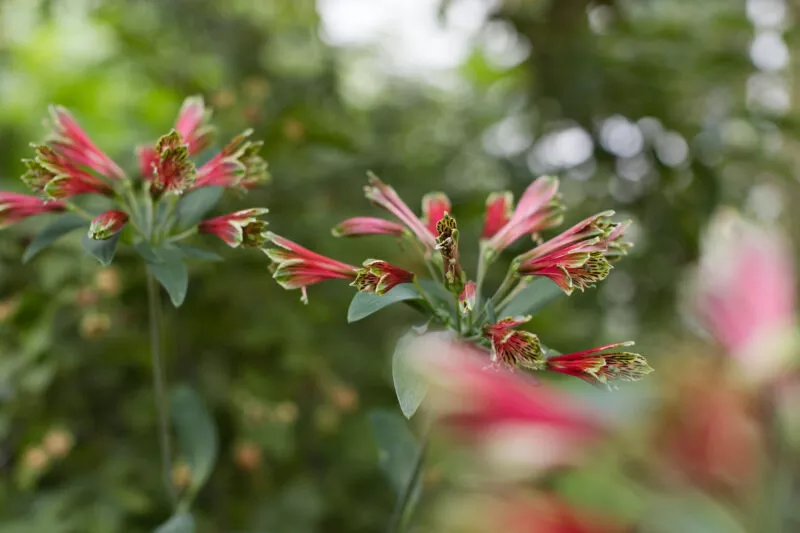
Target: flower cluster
point(578, 258)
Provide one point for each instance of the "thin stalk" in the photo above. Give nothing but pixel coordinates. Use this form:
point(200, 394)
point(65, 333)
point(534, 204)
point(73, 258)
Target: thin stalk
point(397, 522)
point(79, 211)
point(166, 222)
point(149, 208)
point(182, 235)
point(510, 296)
point(159, 386)
point(506, 286)
point(424, 294)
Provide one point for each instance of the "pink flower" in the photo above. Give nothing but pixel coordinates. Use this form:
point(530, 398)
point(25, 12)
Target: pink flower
point(546, 513)
point(513, 348)
point(386, 197)
point(172, 171)
point(577, 258)
point(601, 365)
point(466, 300)
point(58, 178)
point(15, 207)
point(434, 206)
point(239, 229)
point(360, 226)
point(237, 165)
point(107, 224)
point(70, 141)
point(499, 208)
point(380, 277)
point(297, 268)
point(538, 209)
point(192, 124)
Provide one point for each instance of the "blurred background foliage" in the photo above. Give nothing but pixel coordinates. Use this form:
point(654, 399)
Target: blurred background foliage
point(661, 110)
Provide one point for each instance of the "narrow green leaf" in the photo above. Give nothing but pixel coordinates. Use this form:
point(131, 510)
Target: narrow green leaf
point(147, 253)
point(52, 232)
point(397, 447)
point(103, 251)
point(408, 384)
point(197, 436)
point(172, 273)
point(193, 252)
point(195, 205)
point(179, 523)
point(532, 298)
point(365, 304)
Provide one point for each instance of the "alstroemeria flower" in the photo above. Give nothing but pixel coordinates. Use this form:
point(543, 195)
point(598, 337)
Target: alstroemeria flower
point(499, 208)
point(380, 277)
point(172, 171)
point(70, 141)
point(577, 257)
point(447, 244)
point(297, 267)
point(511, 347)
point(360, 226)
point(538, 209)
point(602, 365)
point(466, 300)
point(434, 206)
point(15, 207)
point(239, 229)
point(107, 224)
point(57, 178)
point(386, 197)
point(237, 165)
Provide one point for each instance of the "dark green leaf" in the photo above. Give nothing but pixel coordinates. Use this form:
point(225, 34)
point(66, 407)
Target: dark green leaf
point(197, 436)
point(52, 232)
point(172, 273)
point(179, 523)
point(103, 251)
point(532, 298)
point(147, 253)
point(408, 384)
point(365, 304)
point(198, 253)
point(195, 205)
point(397, 447)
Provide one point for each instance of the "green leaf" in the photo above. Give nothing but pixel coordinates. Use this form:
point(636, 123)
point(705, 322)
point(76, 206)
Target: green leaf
point(104, 250)
point(179, 523)
point(172, 273)
point(52, 232)
point(193, 252)
point(197, 436)
point(532, 298)
point(365, 304)
point(195, 205)
point(408, 384)
point(147, 253)
point(397, 447)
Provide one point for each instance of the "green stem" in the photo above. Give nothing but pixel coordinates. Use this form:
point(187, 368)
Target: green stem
point(149, 207)
point(79, 211)
point(166, 222)
point(510, 296)
point(424, 295)
point(182, 235)
point(506, 286)
point(397, 522)
point(159, 386)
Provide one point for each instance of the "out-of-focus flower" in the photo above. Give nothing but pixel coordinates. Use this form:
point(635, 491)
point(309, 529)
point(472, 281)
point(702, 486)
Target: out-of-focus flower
point(386, 197)
point(107, 224)
point(285, 412)
point(499, 208)
point(237, 165)
point(70, 141)
point(577, 257)
point(602, 365)
point(94, 324)
point(15, 207)
point(434, 206)
point(107, 281)
point(512, 347)
point(344, 397)
point(181, 475)
point(297, 267)
point(538, 209)
point(172, 170)
point(380, 277)
point(239, 229)
point(360, 226)
point(466, 300)
point(745, 294)
point(58, 442)
point(36, 458)
point(58, 178)
point(447, 244)
point(248, 456)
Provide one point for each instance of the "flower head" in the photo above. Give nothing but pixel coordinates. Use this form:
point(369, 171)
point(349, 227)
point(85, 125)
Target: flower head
point(239, 229)
point(107, 224)
point(58, 178)
point(193, 124)
point(380, 277)
point(466, 300)
point(538, 209)
point(499, 208)
point(435, 205)
point(296, 267)
point(386, 197)
point(15, 207)
point(511, 347)
point(360, 226)
point(70, 141)
point(237, 165)
point(447, 244)
point(602, 365)
point(172, 171)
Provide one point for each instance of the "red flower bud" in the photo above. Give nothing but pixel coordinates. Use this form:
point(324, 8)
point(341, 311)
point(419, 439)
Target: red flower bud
point(434, 206)
point(600, 366)
point(172, 171)
point(15, 207)
point(107, 224)
point(241, 228)
point(466, 300)
point(360, 226)
point(237, 165)
point(512, 347)
point(380, 277)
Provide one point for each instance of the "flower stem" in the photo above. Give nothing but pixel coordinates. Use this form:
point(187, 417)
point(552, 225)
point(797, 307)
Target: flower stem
point(79, 211)
point(159, 386)
point(397, 523)
point(505, 287)
point(182, 235)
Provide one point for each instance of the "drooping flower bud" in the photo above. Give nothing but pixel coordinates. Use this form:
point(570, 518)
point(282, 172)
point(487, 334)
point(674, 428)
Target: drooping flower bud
point(380, 277)
point(447, 244)
point(172, 171)
point(499, 208)
point(386, 197)
point(602, 365)
point(360, 226)
point(239, 229)
point(466, 300)
point(237, 165)
point(56, 177)
point(511, 347)
point(434, 206)
point(107, 224)
point(15, 207)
